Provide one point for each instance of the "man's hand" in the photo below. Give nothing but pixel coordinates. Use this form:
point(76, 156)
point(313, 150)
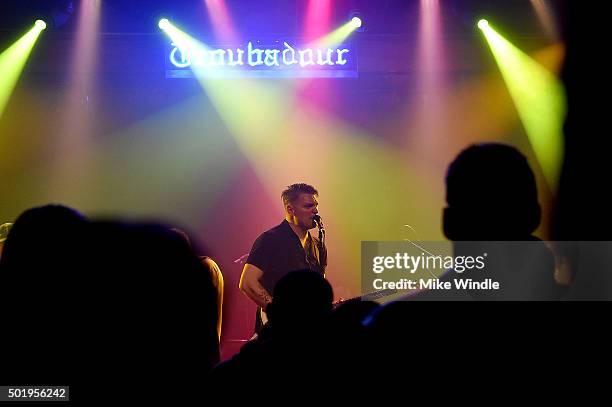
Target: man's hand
point(340, 301)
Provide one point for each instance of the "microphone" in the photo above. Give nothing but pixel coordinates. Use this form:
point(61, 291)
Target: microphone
point(319, 222)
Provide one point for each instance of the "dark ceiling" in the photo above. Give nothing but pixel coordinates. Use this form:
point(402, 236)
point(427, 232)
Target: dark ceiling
point(383, 17)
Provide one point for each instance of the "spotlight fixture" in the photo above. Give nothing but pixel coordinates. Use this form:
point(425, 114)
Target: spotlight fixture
point(357, 21)
point(482, 24)
point(164, 24)
point(40, 24)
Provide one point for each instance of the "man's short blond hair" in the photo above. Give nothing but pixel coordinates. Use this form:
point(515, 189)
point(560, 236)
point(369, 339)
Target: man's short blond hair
point(292, 193)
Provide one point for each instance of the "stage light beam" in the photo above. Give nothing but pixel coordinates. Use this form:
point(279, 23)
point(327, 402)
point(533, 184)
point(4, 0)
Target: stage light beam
point(222, 22)
point(547, 18)
point(539, 98)
point(187, 44)
point(433, 80)
point(13, 60)
point(340, 34)
point(318, 19)
point(72, 150)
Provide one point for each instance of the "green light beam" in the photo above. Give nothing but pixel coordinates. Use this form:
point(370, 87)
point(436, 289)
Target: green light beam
point(338, 35)
point(539, 98)
point(12, 61)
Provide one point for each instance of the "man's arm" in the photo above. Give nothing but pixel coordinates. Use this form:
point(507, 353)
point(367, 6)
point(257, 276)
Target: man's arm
point(252, 288)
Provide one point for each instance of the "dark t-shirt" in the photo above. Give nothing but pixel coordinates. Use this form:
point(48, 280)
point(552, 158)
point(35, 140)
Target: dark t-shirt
point(279, 251)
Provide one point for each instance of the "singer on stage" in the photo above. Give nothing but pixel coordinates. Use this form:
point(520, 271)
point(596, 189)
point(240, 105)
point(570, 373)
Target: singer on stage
point(286, 247)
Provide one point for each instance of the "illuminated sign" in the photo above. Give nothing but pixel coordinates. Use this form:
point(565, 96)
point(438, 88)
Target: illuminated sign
point(275, 59)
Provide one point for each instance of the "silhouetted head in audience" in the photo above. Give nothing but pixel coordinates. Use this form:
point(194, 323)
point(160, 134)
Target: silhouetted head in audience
point(153, 307)
point(200, 247)
point(42, 236)
point(491, 195)
point(492, 212)
point(40, 270)
point(42, 256)
point(301, 299)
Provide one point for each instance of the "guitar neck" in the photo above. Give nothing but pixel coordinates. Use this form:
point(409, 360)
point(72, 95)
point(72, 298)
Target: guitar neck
point(375, 295)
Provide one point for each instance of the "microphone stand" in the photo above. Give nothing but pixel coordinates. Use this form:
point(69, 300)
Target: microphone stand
point(242, 258)
point(322, 251)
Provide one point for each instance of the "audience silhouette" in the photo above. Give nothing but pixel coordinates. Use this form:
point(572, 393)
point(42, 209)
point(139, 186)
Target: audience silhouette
point(88, 299)
point(292, 346)
point(41, 269)
point(492, 211)
point(154, 307)
point(493, 208)
point(134, 299)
